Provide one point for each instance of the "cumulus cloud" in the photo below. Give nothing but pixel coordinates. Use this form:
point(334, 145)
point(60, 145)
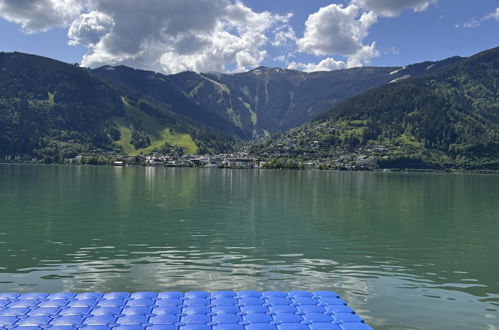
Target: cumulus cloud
point(363, 56)
point(89, 28)
point(327, 64)
point(333, 30)
point(360, 58)
point(222, 49)
point(391, 8)
point(144, 30)
point(337, 29)
point(206, 35)
point(341, 29)
point(163, 35)
point(40, 15)
point(175, 35)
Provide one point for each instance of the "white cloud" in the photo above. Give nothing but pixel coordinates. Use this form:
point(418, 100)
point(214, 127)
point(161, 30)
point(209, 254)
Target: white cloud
point(284, 35)
point(390, 50)
point(336, 29)
point(473, 22)
point(476, 22)
point(88, 29)
point(40, 15)
point(222, 49)
point(207, 35)
point(341, 29)
point(391, 8)
point(363, 56)
point(281, 58)
point(167, 35)
point(493, 15)
point(178, 35)
point(333, 30)
point(327, 64)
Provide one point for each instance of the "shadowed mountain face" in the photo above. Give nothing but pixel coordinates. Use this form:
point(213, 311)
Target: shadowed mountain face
point(163, 89)
point(447, 117)
point(262, 101)
point(55, 110)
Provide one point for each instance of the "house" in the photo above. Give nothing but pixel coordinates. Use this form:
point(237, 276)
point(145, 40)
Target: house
point(311, 165)
point(365, 161)
point(241, 162)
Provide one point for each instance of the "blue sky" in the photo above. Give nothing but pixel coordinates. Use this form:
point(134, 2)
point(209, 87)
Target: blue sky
point(225, 35)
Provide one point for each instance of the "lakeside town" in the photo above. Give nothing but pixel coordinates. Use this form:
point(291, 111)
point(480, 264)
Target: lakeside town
point(315, 149)
point(239, 160)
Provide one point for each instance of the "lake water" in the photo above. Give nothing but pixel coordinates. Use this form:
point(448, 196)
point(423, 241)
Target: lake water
point(407, 251)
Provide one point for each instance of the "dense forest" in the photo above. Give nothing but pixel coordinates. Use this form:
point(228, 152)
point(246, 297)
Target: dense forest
point(53, 110)
point(427, 115)
point(447, 118)
point(262, 101)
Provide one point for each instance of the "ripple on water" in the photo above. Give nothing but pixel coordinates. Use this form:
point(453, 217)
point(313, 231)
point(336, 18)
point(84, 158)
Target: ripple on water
point(402, 249)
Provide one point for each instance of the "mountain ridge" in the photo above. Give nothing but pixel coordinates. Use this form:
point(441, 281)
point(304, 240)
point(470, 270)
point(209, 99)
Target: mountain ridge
point(445, 118)
point(54, 110)
point(262, 101)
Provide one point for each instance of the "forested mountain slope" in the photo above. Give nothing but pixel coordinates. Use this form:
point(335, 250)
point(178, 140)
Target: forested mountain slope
point(449, 117)
point(262, 101)
point(55, 110)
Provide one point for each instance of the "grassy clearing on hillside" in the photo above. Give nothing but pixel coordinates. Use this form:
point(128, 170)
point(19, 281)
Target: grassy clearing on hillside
point(125, 137)
point(158, 134)
point(51, 98)
point(222, 88)
point(254, 117)
point(234, 117)
point(409, 140)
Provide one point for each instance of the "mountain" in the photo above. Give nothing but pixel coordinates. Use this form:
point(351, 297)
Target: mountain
point(55, 110)
point(262, 101)
point(446, 117)
point(426, 114)
point(162, 88)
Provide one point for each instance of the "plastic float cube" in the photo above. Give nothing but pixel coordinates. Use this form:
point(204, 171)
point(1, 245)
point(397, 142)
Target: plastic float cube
point(195, 310)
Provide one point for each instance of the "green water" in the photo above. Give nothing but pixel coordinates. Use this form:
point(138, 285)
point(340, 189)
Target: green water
point(407, 251)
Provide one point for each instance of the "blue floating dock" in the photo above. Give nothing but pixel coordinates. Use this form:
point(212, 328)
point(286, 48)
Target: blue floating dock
point(195, 310)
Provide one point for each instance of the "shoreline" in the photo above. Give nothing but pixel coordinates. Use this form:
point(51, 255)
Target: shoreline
point(376, 170)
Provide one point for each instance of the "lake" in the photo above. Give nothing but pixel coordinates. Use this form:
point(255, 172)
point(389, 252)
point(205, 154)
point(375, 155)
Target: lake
point(405, 250)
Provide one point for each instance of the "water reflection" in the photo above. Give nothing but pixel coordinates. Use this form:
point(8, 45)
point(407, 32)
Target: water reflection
point(403, 249)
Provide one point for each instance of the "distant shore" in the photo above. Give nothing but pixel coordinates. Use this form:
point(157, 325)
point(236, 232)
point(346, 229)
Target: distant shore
point(382, 170)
